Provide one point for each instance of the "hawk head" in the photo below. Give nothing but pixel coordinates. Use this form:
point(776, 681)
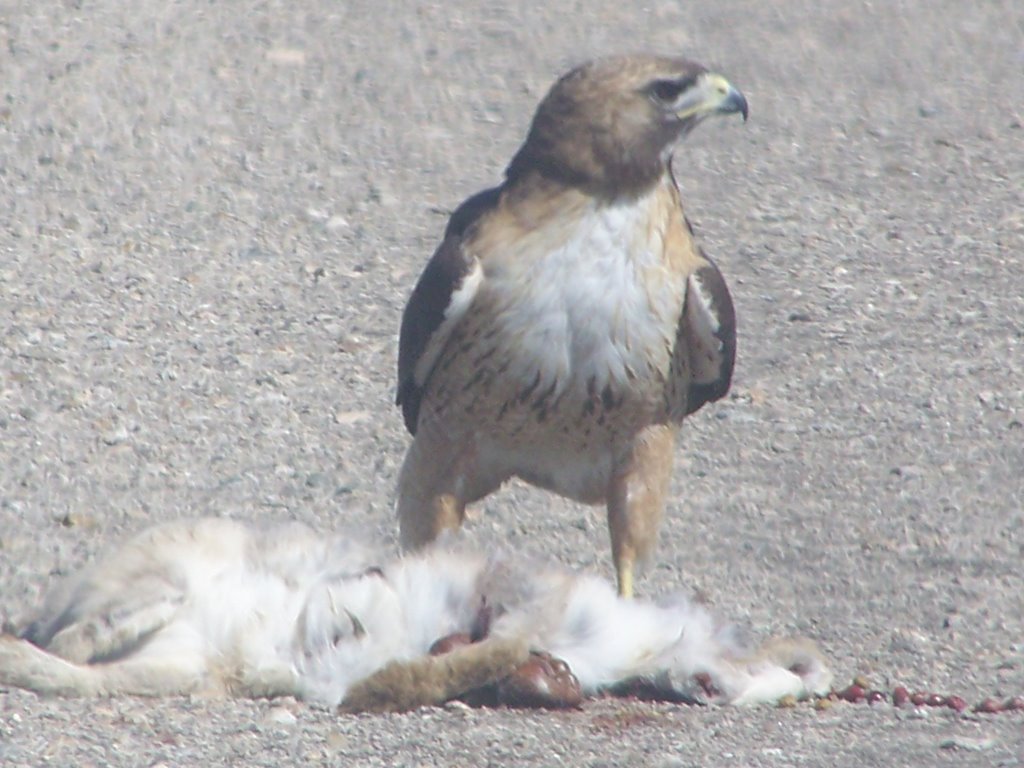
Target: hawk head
point(610, 126)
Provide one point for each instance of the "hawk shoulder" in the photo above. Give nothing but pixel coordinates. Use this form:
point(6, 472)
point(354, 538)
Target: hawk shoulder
point(707, 332)
point(441, 297)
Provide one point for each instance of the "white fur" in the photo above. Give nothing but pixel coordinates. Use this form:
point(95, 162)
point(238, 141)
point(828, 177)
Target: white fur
point(217, 605)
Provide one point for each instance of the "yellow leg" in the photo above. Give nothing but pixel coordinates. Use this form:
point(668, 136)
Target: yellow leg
point(636, 501)
point(624, 576)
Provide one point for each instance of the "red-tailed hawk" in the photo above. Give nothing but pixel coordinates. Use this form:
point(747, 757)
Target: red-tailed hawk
point(568, 323)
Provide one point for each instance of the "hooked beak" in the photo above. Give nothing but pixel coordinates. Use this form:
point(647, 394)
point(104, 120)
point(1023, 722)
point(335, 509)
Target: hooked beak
point(712, 94)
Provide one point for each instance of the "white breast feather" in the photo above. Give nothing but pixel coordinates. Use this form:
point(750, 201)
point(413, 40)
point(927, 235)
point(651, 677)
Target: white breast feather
point(597, 306)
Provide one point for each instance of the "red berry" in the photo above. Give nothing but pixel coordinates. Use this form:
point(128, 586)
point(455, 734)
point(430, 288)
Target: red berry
point(956, 702)
point(988, 707)
point(1014, 704)
point(917, 698)
point(935, 700)
point(854, 693)
point(900, 696)
point(874, 697)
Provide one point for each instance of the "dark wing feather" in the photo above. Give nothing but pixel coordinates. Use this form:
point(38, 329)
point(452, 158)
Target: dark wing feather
point(471, 210)
point(708, 326)
point(425, 311)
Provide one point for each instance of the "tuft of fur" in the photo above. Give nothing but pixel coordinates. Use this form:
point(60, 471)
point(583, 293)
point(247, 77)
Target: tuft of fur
point(221, 607)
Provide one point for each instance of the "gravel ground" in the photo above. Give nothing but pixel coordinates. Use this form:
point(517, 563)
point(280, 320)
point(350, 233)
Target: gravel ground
point(211, 215)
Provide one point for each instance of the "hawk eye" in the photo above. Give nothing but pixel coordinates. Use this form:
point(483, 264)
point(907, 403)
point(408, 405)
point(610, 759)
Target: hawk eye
point(669, 90)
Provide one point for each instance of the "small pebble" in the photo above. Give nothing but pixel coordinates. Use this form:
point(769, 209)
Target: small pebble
point(336, 741)
point(967, 744)
point(280, 716)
